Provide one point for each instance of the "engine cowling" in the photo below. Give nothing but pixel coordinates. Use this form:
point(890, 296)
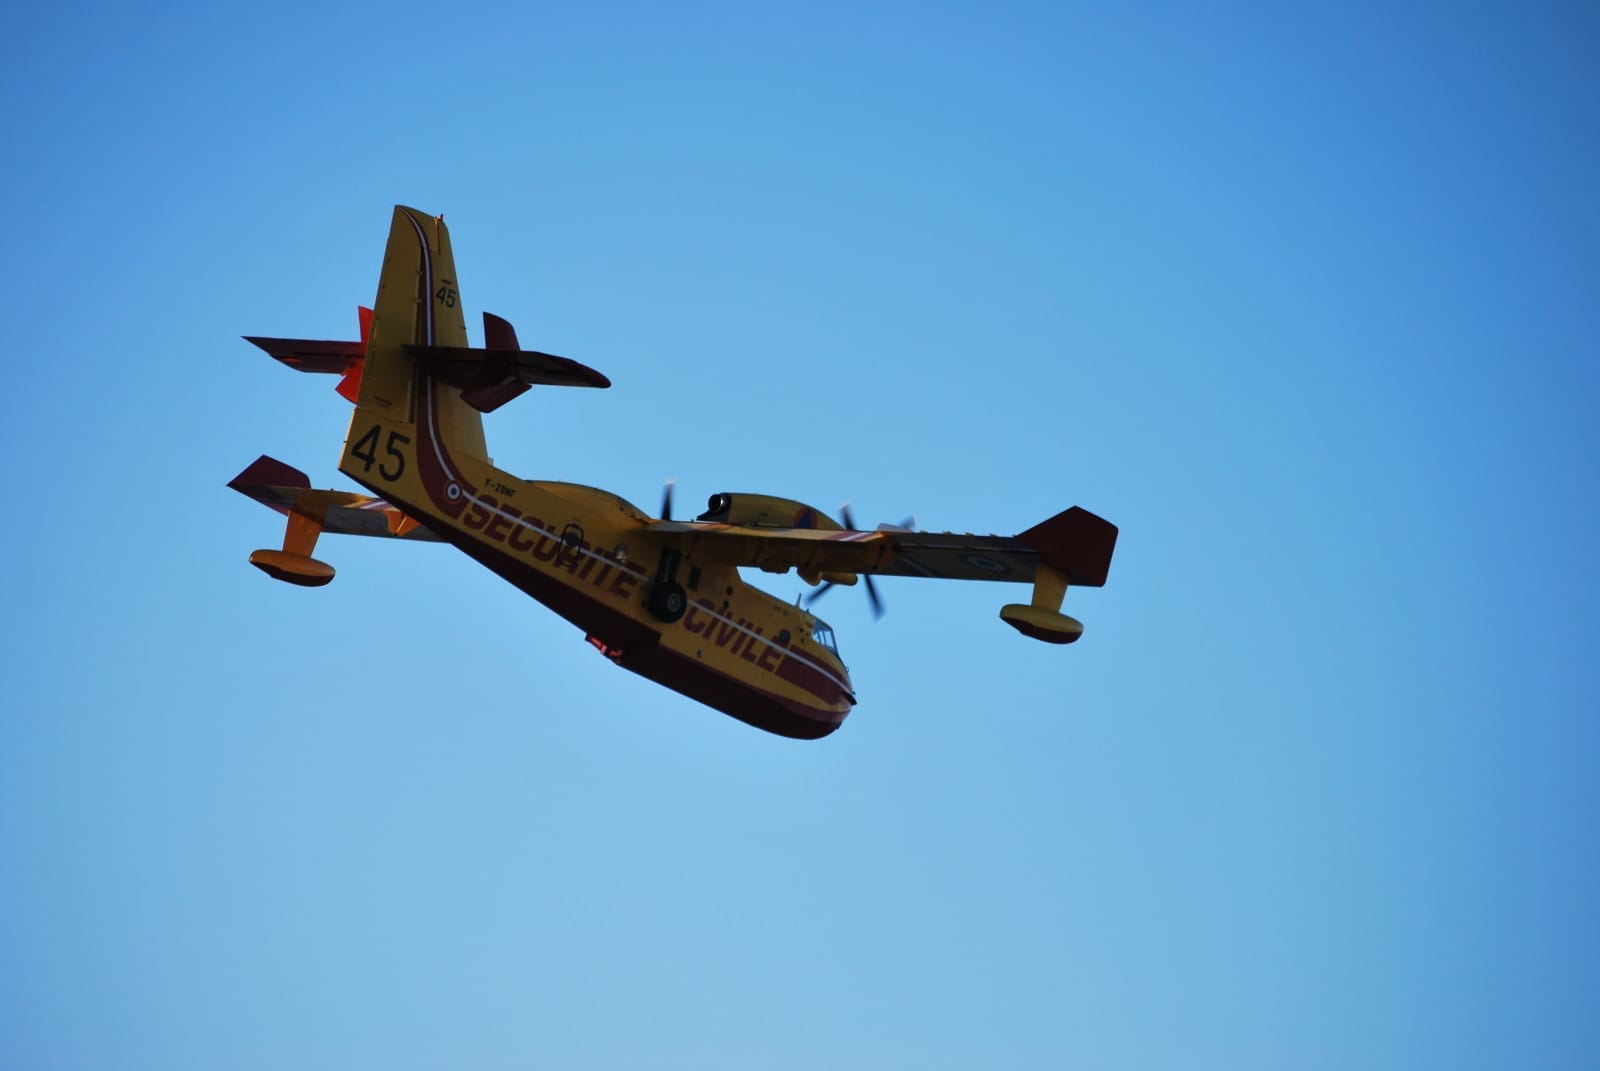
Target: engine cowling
point(765, 511)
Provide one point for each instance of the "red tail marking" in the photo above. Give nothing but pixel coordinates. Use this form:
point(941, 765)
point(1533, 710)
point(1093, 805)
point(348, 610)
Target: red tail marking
point(349, 387)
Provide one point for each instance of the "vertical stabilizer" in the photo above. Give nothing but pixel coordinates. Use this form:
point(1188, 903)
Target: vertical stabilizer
point(418, 304)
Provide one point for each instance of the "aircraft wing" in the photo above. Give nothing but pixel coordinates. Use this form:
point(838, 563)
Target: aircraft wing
point(1076, 541)
point(288, 490)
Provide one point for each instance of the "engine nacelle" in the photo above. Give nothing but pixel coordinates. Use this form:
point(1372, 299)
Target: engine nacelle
point(765, 511)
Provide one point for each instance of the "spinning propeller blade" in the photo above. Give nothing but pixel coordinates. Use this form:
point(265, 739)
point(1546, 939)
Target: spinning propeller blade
point(822, 589)
point(872, 596)
point(666, 500)
point(872, 589)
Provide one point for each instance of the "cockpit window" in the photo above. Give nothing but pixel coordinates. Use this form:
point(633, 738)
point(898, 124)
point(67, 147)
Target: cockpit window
point(824, 635)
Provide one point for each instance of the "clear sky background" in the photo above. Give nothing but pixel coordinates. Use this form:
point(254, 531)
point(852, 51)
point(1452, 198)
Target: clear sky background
point(1303, 300)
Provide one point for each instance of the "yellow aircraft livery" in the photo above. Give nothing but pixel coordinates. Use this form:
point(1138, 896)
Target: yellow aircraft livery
point(661, 597)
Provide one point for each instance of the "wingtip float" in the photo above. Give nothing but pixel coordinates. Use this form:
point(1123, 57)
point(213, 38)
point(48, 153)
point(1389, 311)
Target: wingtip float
point(659, 597)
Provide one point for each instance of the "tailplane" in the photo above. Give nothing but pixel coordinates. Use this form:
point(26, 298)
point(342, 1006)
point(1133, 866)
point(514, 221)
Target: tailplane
point(417, 334)
point(344, 359)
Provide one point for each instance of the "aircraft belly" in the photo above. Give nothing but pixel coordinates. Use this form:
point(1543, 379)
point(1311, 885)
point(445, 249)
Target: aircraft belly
point(752, 705)
point(612, 623)
point(796, 707)
point(801, 701)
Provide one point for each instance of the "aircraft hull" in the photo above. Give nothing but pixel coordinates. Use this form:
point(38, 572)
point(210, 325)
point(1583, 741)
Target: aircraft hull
point(637, 648)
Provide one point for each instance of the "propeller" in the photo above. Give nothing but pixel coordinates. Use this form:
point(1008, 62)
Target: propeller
point(872, 594)
point(666, 499)
point(872, 589)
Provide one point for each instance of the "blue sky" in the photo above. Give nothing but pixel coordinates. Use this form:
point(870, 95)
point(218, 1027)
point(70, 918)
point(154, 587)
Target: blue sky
point(1300, 299)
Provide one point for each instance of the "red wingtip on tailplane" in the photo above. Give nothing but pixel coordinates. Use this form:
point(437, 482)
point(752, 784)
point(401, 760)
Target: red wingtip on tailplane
point(343, 359)
point(349, 387)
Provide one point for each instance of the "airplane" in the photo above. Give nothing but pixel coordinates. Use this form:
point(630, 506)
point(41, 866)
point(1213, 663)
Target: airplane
point(660, 597)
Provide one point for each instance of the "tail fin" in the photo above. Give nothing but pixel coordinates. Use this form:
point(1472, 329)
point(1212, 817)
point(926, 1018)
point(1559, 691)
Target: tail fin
point(418, 304)
point(417, 334)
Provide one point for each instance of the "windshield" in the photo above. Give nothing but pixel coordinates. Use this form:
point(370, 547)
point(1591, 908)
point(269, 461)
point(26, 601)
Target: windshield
point(824, 635)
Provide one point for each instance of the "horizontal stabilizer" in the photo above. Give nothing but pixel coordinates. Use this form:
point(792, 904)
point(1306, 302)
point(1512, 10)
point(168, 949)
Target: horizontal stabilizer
point(482, 371)
point(487, 378)
point(320, 355)
point(312, 355)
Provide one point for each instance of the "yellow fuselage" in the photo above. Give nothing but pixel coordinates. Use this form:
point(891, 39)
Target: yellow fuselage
point(585, 553)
